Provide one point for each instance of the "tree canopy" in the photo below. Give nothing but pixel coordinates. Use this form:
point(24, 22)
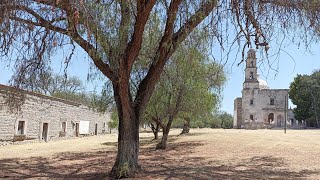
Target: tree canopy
point(305, 94)
point(188, 89)
point(112, 33)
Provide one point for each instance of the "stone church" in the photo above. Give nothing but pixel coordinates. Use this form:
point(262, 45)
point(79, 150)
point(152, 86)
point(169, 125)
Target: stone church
point(260, 106)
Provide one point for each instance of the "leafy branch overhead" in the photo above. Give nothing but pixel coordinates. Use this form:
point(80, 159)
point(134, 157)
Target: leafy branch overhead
point(112, 33)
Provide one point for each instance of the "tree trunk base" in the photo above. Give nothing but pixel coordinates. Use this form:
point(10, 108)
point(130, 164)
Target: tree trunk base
point(185, 131)
point(155, 136)
point(161, 146)
point(186, 126)
point(124, 171)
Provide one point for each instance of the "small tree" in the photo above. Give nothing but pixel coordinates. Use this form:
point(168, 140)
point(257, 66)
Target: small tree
point(111, 33)
point(186, 90)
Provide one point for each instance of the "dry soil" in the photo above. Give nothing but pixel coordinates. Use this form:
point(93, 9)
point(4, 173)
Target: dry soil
point(202, 154)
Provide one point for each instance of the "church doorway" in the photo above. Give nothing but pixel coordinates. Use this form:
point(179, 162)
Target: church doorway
point(270, 118)
point(279, 121)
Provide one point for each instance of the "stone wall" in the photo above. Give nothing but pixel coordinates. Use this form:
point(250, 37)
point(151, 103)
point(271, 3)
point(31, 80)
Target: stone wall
point(257, 125)
point(39, 109)
point(256, 103)
point(237, 116)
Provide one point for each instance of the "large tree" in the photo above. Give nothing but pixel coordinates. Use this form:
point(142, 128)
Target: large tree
point(111, 33)
point(305, 94)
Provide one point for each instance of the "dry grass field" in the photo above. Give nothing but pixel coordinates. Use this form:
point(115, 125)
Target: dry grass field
point(203, 154)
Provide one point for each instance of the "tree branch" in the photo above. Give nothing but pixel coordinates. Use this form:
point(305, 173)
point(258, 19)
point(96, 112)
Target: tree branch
point(205, 9)
point(134, 46)
point(124, 25)
point(92, 52)
point(72, 33)
point(164, 52)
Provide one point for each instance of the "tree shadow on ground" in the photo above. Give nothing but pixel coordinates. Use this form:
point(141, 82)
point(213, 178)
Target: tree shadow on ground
point(179, 161)
point(192, 134)
point(145, 141)
point(89, 165)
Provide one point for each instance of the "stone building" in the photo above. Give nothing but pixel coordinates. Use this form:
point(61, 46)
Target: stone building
point(46, 118)
point(259, 106)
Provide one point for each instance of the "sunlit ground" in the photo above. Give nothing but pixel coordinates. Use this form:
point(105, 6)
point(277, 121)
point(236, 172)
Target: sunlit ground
point(203, 154)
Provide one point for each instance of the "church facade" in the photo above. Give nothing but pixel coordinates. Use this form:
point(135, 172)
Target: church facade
point(259, 106)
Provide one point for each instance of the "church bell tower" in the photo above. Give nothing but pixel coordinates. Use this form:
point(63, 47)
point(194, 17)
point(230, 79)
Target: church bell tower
point(251, 75)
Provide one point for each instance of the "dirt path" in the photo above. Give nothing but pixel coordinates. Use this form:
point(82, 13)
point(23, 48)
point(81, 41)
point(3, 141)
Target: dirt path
point(203, 154)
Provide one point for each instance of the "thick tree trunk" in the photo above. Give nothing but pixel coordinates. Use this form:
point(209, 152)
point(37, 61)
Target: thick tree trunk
point(186, 126)
point(126, 164)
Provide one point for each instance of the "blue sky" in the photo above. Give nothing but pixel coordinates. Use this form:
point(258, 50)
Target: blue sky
point(292, 61)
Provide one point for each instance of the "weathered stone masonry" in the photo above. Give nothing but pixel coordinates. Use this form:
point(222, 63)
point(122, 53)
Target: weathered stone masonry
point(46, 118)
point(259, 106)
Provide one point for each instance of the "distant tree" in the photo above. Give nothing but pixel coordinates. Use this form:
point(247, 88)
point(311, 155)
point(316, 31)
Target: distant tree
point(114, 123)
point(50, 84)
point(70, 88)
point(215, 122)
point(81, 97)
point(226, 120)
point(299, 93)
point(315, 95)
point(103, 101)
point(305, 94)
point(111, 33)
point(215, 119)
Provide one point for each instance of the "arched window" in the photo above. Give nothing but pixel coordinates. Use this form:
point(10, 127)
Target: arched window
point(251, 75)
point(270, 117)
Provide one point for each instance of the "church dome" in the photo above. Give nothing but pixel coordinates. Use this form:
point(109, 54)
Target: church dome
point(262, 84)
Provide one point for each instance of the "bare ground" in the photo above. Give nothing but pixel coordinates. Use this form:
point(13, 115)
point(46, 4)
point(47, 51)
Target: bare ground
point(203, 154)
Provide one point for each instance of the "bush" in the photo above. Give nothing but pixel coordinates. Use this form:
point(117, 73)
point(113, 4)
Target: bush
point(227, 124)
point(215, 123)
point(199, 124)
point(226, 120)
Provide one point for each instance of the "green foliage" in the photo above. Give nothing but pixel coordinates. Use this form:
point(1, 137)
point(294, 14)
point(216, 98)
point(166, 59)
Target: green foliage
point(123, 170)
point(189, 88)
point(199, 124)
point(111, 33)
point(305, 94)
point(71, 89)
point(50, 84)
point(226, 120)
point(114, 123)
point(216, 120)
point(215, 123)
point(82, 97)
point(104, 101)
point(299, 93)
